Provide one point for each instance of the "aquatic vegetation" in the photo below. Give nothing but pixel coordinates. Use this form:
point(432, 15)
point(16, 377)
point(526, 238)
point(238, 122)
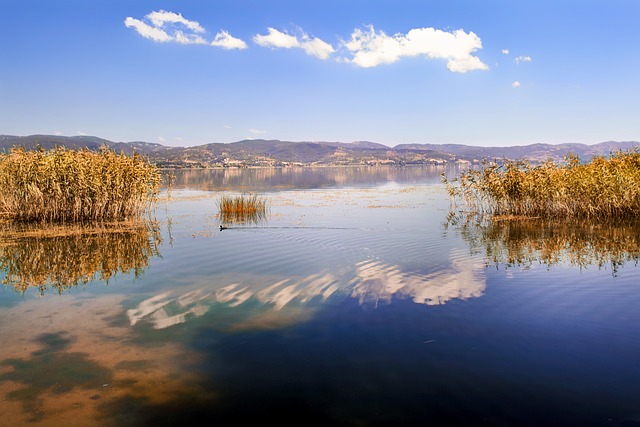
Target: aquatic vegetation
point(605, 187)
point(75, 185)
point(242, 209)
point(62, 257)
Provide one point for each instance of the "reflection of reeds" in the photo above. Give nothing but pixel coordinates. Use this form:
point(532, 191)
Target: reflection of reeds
point(62, 257)
point(242, 209)
point(579, 243)
point(75, 185)
point(602, 188)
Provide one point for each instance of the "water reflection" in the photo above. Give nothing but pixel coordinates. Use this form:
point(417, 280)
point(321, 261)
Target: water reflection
point(523, 242)
point(274, 179)
point(378, 282)
point(166, 310)
point(371, 282)
point(59, 257)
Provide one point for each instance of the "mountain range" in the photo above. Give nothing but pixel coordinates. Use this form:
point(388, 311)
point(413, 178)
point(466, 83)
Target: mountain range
point(261, 152)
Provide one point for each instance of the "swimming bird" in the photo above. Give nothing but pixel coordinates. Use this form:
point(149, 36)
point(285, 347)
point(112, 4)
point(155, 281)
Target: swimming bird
point(222, 228)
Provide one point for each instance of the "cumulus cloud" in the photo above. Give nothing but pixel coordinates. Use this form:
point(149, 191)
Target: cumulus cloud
point(520, 59)
point(317, 47)
point(276, 39)
point(161, 18)
point(162, 26)
point(147, 31)
point(515, 84)
point(257, 131)
point(226, 41)
point(311, 45)
point(505, 51)
point(370, 48)
point(366, 48)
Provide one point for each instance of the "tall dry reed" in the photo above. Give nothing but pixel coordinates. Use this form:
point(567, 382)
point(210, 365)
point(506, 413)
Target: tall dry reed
point(75, 185)
point(242, 209)
point(602, 188)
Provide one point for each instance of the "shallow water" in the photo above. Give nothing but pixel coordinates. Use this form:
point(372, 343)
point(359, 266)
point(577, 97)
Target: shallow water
point(353, 303)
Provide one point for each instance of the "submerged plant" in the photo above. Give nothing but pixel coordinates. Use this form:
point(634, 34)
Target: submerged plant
point(242, 209)
point(75, 185)
point(603, 188)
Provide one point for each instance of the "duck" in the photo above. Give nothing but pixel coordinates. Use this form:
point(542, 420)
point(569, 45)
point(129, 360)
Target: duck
point(222, 227)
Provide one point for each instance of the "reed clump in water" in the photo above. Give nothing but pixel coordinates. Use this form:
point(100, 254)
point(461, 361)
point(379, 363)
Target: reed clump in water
point(242, 209)
point(603, 188)
point(75, 185)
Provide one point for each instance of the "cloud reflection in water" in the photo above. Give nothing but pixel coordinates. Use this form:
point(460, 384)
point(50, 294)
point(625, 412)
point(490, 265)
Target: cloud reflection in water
point(376, 282)
point(371, 281)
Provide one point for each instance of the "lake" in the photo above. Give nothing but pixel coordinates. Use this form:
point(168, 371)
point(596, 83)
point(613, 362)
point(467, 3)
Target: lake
point(358, 300)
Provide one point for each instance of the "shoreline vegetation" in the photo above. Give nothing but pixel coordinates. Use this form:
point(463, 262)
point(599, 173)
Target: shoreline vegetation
point(75, 185)
point(603, 188)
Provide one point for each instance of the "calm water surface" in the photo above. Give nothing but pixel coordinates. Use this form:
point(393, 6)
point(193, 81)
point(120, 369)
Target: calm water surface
point(355, 302)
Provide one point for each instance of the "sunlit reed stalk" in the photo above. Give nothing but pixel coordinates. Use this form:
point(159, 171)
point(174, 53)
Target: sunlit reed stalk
point(75, 185)
point(242, 209)
point(603, 188)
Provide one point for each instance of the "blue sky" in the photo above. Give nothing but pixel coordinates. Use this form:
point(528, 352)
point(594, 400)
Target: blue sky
point(191, 72)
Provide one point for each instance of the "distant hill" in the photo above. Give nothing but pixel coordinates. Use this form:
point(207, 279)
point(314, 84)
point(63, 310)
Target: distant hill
point(532, 152)
point(261, 152)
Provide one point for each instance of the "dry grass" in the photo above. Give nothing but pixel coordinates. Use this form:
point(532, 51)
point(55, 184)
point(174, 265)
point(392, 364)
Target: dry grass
point(242, 209)
point(602, 188)
point(75, 185)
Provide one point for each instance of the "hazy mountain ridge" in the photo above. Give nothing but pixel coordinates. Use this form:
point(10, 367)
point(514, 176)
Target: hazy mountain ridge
point(261, 152)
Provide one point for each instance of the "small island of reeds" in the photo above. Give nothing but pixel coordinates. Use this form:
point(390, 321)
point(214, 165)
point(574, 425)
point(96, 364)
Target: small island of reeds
point(604, 188)
point(66, 185)
point(242, 209)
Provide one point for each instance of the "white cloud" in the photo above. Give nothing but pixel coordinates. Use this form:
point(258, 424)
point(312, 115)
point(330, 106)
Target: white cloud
point(505, 51)
point(370, 48)
point(147, 31)
point(161, 18)
point(520, 59)
point(317, 47)
point(257, 131)
point(161, 139)
point(183, 38)
point(80, 133)
point(278, 39)
point(516, 84)
point(57, 132)
point(226, 41)
point(366, 48)
point(162, 26)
